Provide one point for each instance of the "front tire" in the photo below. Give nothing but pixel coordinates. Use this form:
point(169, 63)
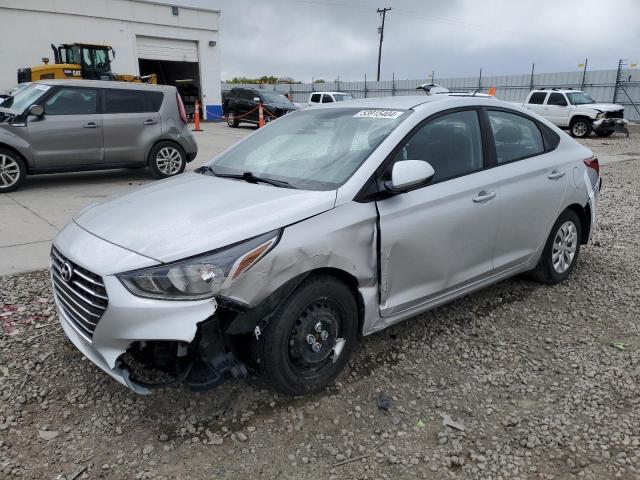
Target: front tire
point(580, 128)
point(167, 159)
point(12, 171)
point(561, 251)
point(309, 340)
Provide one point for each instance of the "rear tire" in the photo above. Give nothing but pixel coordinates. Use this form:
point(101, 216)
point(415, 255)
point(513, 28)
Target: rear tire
point(309, 339)
point(13, 171)
point(167, 159)
point(232, 120)
point(580, 128)
point(561, 251)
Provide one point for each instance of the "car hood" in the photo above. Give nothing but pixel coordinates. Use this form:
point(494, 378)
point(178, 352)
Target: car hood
point(193, 213)
point(281, 105)
point(603, 107)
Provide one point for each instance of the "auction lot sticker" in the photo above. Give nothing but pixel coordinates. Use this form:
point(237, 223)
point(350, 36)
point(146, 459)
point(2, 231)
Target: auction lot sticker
point(378, 114)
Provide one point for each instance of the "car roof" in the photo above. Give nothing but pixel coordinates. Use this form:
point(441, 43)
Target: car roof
point(106, 84)
point(557, 90)
point(331, 93)
point(413, 101)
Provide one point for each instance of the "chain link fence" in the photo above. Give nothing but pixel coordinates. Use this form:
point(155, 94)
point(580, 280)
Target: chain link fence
point(602, 85)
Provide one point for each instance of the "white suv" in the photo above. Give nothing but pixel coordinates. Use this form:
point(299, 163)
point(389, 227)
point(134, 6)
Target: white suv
point(318, 98)
point(575, 110)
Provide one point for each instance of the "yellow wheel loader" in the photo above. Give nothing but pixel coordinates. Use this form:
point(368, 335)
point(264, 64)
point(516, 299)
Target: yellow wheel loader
point(80, 61)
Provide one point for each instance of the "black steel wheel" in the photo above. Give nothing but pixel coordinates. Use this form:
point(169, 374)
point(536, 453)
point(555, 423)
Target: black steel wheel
point(309, 340)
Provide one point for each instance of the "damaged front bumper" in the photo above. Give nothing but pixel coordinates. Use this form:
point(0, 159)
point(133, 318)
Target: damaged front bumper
point(106, 322)
point(119, 373)
point(611, 124)
point(129, 321)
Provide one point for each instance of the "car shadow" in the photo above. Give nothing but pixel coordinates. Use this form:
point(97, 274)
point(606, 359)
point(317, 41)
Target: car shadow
point(98, 177)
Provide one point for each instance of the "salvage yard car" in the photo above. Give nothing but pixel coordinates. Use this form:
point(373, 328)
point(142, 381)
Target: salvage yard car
point(241, 105)
point(321, 98)
point(577, 111)
point(76, 125)
point(324, 226)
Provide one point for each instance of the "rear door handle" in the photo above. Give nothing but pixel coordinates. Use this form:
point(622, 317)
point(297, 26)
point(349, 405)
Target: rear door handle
point(90, 125)
point(555, 174)
point(149, 122)
point(484, 196)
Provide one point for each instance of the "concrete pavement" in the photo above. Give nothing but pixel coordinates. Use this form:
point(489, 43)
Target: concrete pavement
point(32, 216)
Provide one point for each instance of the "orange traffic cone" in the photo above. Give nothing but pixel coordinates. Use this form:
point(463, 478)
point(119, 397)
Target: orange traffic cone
point(260, 116)
point(196, 117)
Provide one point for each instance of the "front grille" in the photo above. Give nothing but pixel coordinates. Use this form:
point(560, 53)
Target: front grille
point(82, 297)
point(616, 114)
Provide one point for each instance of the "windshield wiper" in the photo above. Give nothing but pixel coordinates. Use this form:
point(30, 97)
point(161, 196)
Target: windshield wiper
point(246, 176)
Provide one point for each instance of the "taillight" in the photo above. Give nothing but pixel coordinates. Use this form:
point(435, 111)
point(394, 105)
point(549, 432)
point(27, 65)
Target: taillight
point(592, 162)
point(181, 110)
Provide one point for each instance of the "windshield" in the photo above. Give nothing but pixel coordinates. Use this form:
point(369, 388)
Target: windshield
point(311, 149)
point(340, 97)
point(274, 97)
point(23, 99)
point(579, 98)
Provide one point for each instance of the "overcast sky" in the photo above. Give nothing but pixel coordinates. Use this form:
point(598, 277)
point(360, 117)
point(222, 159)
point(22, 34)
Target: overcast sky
point(307, 39)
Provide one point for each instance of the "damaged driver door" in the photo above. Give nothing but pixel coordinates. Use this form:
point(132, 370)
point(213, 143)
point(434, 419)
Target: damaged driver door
point(438, 238)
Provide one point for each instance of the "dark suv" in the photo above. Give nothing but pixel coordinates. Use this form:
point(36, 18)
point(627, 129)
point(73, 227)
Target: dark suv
point(241, 105)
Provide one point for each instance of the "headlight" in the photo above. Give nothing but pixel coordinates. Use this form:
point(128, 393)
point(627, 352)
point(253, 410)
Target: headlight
point(199, 277)
point(600, 116)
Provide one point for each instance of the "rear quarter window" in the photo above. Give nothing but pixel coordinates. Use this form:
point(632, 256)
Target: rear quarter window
point(537, 98)
point(131, 101)
point(515, 136)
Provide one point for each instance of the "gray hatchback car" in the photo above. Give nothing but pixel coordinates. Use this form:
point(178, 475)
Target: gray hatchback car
point(71, 125)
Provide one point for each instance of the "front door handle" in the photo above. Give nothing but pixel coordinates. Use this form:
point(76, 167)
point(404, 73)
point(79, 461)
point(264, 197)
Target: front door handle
point(149, 122)
point(555, 174)
point(484, 196)
point(90, 125)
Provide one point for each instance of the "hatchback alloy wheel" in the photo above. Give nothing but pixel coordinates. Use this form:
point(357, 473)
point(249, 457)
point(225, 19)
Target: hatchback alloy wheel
point(169, 161)
point(565, 244)
point(9, 171)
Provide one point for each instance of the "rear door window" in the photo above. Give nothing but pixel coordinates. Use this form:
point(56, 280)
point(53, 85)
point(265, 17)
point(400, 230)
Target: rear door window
point(315, 98)
point(131, 101)
point(537, 98)
point(72, 101)
point(515, 136)
point(557, 99)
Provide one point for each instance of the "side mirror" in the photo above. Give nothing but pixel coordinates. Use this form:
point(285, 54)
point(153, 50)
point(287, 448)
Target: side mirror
point(36, 110)
point(256, 99)
point(409, 173)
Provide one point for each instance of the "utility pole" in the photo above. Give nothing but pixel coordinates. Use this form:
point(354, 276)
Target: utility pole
point(533, 67)
point(383, 12)
point(584, 73)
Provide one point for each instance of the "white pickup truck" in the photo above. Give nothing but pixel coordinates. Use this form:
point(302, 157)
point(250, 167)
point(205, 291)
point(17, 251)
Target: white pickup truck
point(318, 98)
point(575, 110)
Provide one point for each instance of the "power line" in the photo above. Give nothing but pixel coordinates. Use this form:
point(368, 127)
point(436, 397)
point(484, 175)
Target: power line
point(383, 13)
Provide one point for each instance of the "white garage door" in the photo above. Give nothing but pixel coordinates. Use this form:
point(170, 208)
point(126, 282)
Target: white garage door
point(154, 48)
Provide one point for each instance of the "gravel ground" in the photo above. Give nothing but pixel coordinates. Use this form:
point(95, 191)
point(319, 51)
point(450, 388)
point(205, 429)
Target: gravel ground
point(517, 381)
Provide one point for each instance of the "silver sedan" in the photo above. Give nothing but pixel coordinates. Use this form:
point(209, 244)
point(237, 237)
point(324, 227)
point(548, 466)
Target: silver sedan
point(324, 226)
